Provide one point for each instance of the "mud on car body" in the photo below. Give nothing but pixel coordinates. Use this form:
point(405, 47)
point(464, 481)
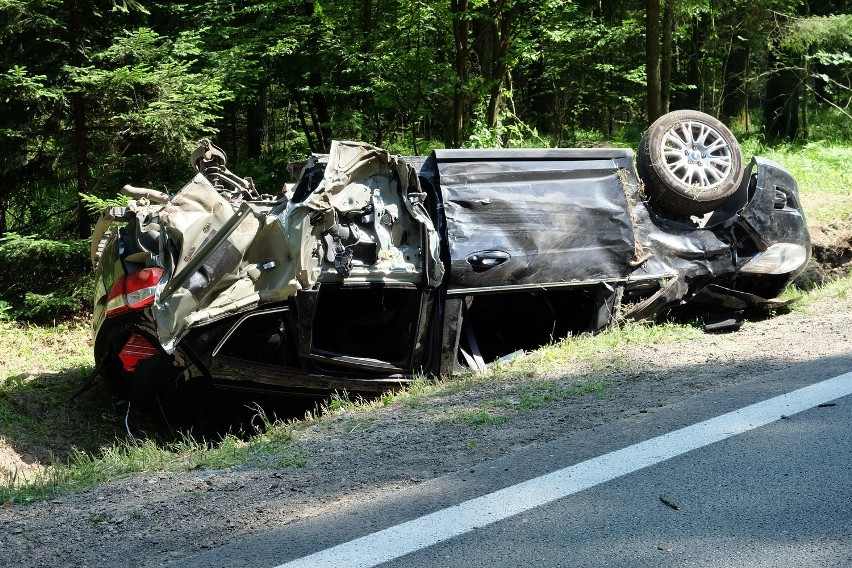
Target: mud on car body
point(372, 267)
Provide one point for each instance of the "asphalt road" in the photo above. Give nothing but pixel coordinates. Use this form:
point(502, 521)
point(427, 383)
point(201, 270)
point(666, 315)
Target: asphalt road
point(775, 495)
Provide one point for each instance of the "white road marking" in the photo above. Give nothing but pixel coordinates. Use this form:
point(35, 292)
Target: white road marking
point(414, 535)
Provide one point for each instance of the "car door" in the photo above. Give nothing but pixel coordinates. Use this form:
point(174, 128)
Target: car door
point(519, 219)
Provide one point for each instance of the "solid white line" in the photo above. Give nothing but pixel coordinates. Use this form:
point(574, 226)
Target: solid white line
point(445, 524)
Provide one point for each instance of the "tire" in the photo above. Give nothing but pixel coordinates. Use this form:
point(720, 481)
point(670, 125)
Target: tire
point(156, 380)
point(690, 163)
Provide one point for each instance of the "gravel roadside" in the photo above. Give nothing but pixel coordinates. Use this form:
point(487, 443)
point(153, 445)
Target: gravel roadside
point(150, 519)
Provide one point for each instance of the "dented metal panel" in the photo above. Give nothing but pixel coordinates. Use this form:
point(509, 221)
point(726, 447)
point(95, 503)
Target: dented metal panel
point(374, 267)
point(770, 220)
point(222, 257)
point(364, 222)
point(536, 218)
point(202, 243)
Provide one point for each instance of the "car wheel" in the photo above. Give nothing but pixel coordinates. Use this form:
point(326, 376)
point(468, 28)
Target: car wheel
point(690, 163)
point(155, 377)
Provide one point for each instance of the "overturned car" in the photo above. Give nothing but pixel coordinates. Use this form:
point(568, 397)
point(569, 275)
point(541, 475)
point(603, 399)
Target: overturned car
point(372, 268)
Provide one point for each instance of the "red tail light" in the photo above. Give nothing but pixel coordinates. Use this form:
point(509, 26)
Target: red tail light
point(133, 291)
point(136, 349)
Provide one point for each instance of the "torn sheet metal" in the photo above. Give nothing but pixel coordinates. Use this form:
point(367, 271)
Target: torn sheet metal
point(364, 222)
point(372, 268)
point(203, 240)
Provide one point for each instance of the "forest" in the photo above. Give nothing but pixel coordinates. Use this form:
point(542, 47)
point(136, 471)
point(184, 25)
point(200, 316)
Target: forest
point(95, 94)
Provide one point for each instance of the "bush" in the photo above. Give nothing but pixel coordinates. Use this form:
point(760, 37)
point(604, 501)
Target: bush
point(43, 279)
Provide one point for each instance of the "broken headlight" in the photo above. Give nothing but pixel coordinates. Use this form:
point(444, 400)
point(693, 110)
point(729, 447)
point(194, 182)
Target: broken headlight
point(780, 258)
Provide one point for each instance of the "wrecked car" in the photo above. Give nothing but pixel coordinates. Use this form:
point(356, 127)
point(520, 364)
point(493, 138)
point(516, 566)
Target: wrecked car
point(372, 268)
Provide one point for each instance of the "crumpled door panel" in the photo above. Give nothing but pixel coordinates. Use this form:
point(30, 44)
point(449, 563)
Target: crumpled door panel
point(202, 244)
point(533, 217)
point(364, 222)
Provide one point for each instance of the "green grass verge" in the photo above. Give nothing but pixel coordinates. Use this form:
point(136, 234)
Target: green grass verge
point(64, 444)
point(29, 349)
point(822, 172)
point(120, 458)
point(837, 292)
point(522, 397)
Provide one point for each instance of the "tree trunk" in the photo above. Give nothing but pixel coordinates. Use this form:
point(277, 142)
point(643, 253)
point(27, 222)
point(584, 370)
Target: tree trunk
point(81, 156)
point(492, 31)
point(235, 132)
point(461, 31)
point(78, 119)
point(666, 63)
point(367, 25)
point(781, 107)
point(652, 60)
point(319, 111)
point(694, 97)
point(734, 88)
point(501, 64)
point(300, 111)
point(256, 117)
point(415, 116)
point(804, 132)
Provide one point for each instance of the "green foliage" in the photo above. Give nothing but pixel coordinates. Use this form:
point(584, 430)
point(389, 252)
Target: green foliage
point(583, 69)
point(28, 105)
point(802, 35)
point(43, 279)
point(47, 307)
point(338, 403)
point(119, 91)
point(95, 205)
point(157, 101)
point(508, 132)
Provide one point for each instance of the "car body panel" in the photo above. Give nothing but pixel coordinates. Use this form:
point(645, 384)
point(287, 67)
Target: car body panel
point(557, 218)
point(222, 258)
point(374, 268)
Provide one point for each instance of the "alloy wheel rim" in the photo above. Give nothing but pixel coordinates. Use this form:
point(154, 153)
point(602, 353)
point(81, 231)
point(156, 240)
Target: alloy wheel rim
point(696, 154)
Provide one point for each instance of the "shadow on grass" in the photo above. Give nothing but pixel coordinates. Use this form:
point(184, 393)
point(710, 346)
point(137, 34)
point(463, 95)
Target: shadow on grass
point(41, 423)
point(53, 443)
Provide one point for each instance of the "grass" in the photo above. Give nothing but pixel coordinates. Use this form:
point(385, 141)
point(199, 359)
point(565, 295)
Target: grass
point(475, 417)
point(822, 172)
point(837, 291)
point(124, 457)
point(40, 368)
point(29, 349)
point(595, 353)
point(602, 348)
point(88, 445)
point(272, 447)
point(524, 397)
point(67, 446)
point(530, 397)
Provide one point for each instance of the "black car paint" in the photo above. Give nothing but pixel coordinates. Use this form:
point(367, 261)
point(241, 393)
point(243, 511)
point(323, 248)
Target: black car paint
point(536, 244)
